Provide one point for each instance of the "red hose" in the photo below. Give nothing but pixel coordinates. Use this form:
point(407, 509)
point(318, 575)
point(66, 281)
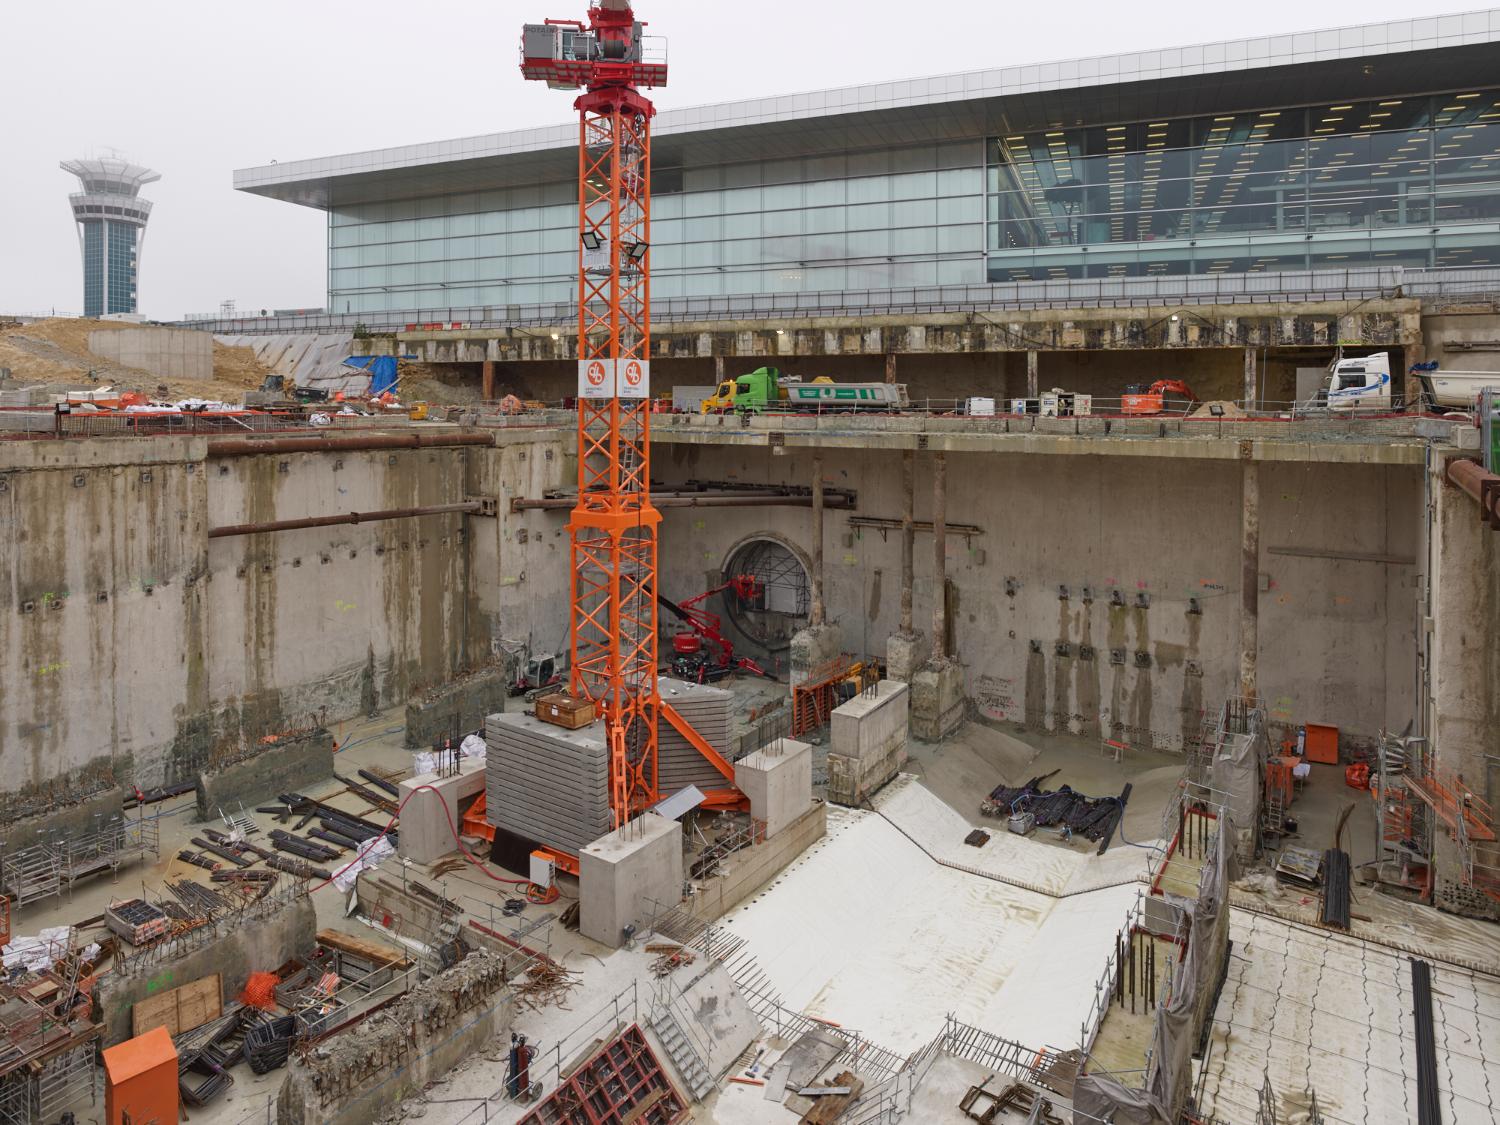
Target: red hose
point(448, 815)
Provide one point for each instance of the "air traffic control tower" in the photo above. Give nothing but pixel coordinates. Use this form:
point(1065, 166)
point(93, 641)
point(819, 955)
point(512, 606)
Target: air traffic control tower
point(111, 219)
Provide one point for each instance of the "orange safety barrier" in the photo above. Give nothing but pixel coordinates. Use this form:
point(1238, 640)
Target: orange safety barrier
point(260, 991)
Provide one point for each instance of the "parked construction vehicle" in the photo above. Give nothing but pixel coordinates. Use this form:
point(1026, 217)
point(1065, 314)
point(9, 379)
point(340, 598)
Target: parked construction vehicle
point(1140, 399)
point(1363, 383)
point(766, 388)
point(537, 675)
point(701, 653)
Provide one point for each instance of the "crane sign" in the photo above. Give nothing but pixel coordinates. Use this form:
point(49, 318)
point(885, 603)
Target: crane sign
point(613, 528)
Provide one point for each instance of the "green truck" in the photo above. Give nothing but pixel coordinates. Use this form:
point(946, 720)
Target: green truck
point(766, 388)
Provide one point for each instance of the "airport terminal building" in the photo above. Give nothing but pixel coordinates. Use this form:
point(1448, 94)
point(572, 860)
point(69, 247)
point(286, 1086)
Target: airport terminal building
point(1371, 147)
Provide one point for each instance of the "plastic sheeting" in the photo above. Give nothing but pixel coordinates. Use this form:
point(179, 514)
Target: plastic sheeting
point(307, 359)
point(1238, 773)
point(382, 369)
point(1179, 1021)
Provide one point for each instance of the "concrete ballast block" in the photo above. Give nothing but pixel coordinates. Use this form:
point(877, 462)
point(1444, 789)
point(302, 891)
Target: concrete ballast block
point(868, 725)
point(625, 876)
point(778, 781)
point(430, 811)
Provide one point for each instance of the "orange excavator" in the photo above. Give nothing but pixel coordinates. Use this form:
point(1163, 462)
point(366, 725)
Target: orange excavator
point(1140, 399)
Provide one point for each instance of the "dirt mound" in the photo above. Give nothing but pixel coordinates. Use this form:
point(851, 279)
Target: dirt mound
point(437, 384)
point(57, 351)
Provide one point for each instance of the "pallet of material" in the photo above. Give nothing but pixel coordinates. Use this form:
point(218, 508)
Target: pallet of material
point(1300, 867)
point(136, 920)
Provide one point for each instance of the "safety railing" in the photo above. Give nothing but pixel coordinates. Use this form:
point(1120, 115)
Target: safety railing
point(1354, 283)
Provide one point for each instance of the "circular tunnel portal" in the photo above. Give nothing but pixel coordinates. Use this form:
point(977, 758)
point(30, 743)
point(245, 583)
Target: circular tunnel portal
point(770, 620)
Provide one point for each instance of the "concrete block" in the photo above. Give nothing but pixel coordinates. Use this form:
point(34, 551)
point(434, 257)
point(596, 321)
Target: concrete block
point(547, 783)
point(282, 767)
point(463, 702)
point(867, 726)
point(904, 653)
point(709, 709)
point(176, 353)
point(430, 811)
point(778, 781)
point(746, 871)
point(624, 875)
point(937, 701)
point(363, 1073)
point(76, 819)
point(811, 647)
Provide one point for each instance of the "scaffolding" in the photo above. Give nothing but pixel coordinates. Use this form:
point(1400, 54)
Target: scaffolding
point(1415, 799)
point(46, 869)
point(827, 685)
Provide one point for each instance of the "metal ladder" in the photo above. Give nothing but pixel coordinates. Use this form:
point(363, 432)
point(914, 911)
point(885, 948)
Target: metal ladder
point(682, 1053)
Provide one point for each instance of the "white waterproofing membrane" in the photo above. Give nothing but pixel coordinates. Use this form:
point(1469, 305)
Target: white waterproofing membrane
point(869, 931)
point(1327, 1013)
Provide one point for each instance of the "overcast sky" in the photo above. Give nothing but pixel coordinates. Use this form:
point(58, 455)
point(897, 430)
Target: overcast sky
point(196, 90)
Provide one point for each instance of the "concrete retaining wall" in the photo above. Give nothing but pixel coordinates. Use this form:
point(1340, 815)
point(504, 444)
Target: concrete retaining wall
point(433, 715)
point(1337, 621)
point(131, 639)
point(359, 1074)
point(282, 767)
point(270, 935)
point(69, 820)
point(750, 869)
point(175, 353)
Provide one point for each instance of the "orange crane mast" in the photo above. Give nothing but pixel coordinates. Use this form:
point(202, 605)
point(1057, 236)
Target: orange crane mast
point(613, 529)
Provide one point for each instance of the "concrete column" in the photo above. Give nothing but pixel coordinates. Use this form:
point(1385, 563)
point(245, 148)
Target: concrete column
point(890, 367)
point(939, 553)
point(1031, 375)
point(1411, 388)
point(718, 370)
point(815, 615)
point(1250, 393)
point(487, 381)
point(1249, 574)
point(1465, 678)
point(908, 533)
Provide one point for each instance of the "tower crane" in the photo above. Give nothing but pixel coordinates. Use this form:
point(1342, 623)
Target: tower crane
point(613, 528)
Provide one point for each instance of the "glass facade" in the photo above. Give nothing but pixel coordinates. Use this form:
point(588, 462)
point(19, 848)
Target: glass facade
point(1395, 181)
point(93, 269)
point(109, 273)
point(903, 216)
point(121, 268)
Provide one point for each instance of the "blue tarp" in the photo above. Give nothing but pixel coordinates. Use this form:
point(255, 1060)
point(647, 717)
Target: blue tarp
point(382, 369)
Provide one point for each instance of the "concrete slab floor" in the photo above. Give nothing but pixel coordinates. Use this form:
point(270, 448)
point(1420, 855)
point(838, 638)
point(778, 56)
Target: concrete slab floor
point(1323, 1013)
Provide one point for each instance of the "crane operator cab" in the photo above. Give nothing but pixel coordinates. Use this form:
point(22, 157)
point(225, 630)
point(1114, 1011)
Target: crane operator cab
point(1359, 384)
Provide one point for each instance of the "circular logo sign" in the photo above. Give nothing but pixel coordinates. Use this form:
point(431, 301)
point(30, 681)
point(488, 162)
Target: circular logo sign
point(594, 373)
point(632, 374)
